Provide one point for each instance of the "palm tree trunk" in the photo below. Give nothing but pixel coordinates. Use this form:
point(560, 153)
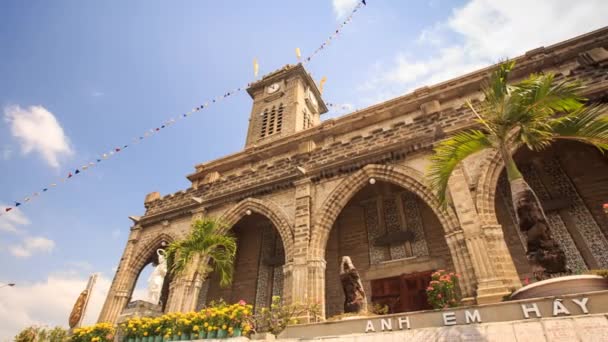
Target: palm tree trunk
point(543, 252)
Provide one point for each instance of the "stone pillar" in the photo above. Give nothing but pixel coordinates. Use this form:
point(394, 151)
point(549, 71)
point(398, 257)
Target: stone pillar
point(490, 258)
point(185, 288)
point(316, 284)
point(296, 285)
point(120, 290)
point(462, 264)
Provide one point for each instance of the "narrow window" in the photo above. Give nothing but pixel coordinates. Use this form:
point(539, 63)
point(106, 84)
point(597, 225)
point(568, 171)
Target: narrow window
point(272, 121)
point(264, 123)
point(280, 118)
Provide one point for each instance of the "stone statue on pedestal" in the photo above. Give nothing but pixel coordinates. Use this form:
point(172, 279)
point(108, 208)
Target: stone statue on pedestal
point(157, 278)
point(354, 295)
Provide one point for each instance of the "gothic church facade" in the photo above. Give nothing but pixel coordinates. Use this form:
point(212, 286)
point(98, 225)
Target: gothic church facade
point(305, 192)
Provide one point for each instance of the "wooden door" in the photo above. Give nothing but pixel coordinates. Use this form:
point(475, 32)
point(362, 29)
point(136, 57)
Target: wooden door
point(402, 293)
point(413, 291)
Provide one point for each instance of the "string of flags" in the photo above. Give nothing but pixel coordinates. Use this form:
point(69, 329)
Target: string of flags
point(155, 130)
point(338, 106)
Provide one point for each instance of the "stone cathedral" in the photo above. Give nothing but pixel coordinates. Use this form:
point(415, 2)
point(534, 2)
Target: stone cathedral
point(305, 191)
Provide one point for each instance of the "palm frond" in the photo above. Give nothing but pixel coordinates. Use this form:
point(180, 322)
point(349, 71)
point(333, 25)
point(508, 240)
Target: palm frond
point(588, 124)
point(206, 239)
point(497, 88)
point(449, 153)
point(539, 97)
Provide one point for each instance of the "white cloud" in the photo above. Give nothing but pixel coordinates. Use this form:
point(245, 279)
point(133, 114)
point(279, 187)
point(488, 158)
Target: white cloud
point(96, 93)
point(32, 245)
point(49, 302)
point(343, 7)
point(10, 221)
point(487, 31)
point(37, 130)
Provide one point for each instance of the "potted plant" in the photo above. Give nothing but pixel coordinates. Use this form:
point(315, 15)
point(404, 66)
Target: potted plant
point(442, 291)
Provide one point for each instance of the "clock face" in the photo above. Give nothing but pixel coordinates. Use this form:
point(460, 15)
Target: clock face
point(273, 88)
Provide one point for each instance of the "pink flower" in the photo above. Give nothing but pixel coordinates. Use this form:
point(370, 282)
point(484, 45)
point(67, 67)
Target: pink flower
point(429, 288)
point(439, 295)
point(527, 281)
point(242, 302)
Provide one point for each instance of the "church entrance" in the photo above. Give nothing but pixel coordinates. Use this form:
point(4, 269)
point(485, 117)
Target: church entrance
point(402, 293)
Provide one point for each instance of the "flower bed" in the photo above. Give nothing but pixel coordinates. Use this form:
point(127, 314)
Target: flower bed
point(100, 332)
point(220, 320)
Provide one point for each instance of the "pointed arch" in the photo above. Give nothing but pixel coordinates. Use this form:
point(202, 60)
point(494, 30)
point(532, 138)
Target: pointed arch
point(487, 184)
point(144, 252)
point(405, 177)
point(268, 209)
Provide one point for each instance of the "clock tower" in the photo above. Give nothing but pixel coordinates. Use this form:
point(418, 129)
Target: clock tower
point(284, 102)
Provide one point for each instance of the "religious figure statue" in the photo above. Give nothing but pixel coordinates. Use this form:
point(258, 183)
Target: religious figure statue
point(157, 278)
point(354, 295)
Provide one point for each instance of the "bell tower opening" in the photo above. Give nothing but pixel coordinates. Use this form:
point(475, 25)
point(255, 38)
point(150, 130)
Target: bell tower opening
point(284, 102)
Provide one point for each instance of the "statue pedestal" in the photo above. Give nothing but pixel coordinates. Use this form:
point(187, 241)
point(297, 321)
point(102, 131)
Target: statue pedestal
point(140, 308)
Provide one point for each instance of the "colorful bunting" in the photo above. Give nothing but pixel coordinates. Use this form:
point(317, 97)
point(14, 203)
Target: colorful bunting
point(153, 131)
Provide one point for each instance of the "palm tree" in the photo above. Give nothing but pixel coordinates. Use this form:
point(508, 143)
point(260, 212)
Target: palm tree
point(534, 112)
point(206, 240)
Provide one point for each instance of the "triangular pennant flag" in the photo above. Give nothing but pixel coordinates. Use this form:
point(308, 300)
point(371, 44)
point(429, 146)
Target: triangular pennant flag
point(53, 184)
point(322, 84)
point(27, 199)
point(70, 175)
point(36, 194)
point(256, 67)
point(45, 190)
point(117, 149)
point(298, 54)
point(77, 171)
point(17, 204)
point(8, 209)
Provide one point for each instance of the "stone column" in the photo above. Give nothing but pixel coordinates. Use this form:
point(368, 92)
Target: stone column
point(316, 284)
point(490, 258)
point(296, 284)
point(120, 290)
point(185, 288)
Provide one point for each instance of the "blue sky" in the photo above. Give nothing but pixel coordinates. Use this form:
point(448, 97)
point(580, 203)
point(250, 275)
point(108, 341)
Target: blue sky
point(79, 78)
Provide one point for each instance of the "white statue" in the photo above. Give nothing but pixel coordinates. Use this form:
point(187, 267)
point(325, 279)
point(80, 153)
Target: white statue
point(155, 282)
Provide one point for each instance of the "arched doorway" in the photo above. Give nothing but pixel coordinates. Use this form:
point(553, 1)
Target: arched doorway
point(258, 272)
point(139, 290)
point(571, 181)
point(394, 239)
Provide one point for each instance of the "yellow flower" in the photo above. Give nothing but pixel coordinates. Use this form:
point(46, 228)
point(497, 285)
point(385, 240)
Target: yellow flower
point(224, 327)
point(195, 328)
point(206, 324)
point(145, 333)
point(209, 328)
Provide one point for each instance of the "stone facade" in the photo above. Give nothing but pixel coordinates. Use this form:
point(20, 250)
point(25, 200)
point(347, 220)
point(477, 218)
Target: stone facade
point(301, 199)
